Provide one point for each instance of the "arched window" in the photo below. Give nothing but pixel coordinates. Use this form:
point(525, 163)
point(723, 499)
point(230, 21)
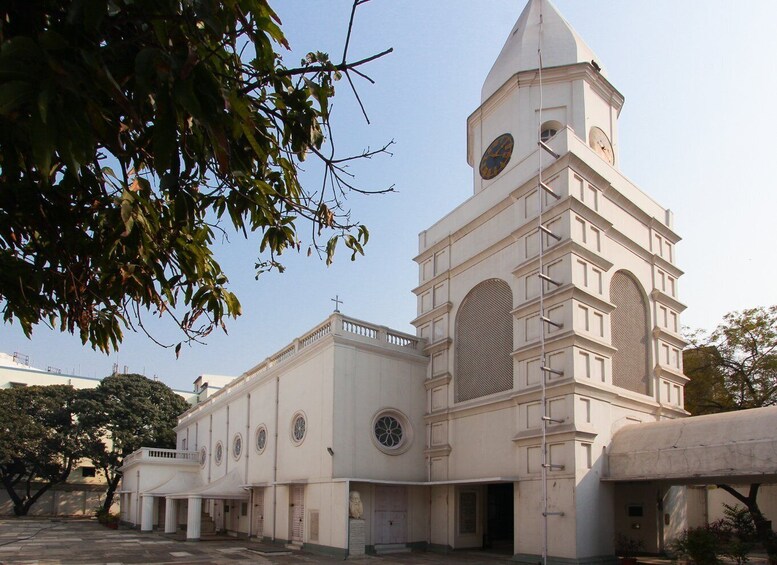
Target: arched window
point(630, 335)
point(484, 341)
point(549, 129)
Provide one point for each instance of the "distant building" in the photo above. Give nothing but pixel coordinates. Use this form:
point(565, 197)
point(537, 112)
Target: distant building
point(82, 491)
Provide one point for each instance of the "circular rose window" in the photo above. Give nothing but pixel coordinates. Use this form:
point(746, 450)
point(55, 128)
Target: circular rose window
point(391, 432)
point(237, 446)
point(219, 453)
point(261, 438)
point(203, 456)
point(388, 431)
point(298, 428)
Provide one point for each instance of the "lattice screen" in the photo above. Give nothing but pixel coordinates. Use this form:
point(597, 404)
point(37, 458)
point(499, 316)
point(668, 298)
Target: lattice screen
point(484, 341)
point(629, 335)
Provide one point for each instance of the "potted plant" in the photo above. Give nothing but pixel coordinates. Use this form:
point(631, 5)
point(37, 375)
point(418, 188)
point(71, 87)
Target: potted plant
point(627, 547)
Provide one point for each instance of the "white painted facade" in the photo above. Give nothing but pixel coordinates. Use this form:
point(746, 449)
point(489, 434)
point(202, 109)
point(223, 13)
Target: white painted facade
point(468, 389)
point(339, 378)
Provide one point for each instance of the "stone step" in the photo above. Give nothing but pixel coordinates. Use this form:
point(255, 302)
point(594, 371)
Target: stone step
point(388, 548)
point(294, 545)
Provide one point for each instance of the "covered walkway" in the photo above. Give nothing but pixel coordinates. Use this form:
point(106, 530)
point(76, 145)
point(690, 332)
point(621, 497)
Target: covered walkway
point(736, 447)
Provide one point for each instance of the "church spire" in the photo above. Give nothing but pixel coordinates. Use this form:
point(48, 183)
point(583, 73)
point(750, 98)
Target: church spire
point(561, 45)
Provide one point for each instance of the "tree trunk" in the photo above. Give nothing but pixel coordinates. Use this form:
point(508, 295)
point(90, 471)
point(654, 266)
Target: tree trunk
point(113, 484)
point(763, 527)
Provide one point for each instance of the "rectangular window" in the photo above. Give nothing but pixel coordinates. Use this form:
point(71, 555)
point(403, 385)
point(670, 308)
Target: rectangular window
point(598, 372)
point(440, 294)
point(585, 364)
point(532, 244)
point(427, 269)
point(582, 318)
point(580, 230)
point(667, 392)
point(658, 245)
point(661, 282)
point(244, 509)
point(532, 284)
point(672, 289)
point(673, 323)
point(587, 455)
point(669, 249)
point(596, 280)
point(586, 409)
point(468, 512)
point(665, 354)
point(662, 316)
point(88, 471)
point(532, 327)
point(531, 204)
point(582, 273)
point(593, 197)
point(599, 324)
point(677, 395)
point(596, 239)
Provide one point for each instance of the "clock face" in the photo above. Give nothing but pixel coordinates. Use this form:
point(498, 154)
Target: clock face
point(599, 142)
point(497, 156)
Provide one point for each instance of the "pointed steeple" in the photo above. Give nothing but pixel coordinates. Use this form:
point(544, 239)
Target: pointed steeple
point(560, 46)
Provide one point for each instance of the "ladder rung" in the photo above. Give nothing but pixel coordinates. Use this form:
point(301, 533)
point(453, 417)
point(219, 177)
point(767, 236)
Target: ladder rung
point(549, 419)
point(552, 371)
point(551, 466)
point(547, 148)
point(552, 513)
point(550, 233)
point(551, 322)
point(545, 277)
point(549, 190)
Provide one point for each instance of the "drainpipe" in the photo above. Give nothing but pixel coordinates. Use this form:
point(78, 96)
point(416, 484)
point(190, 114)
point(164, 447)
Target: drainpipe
point(275, 464)
point(247, 446)
point(347, 519)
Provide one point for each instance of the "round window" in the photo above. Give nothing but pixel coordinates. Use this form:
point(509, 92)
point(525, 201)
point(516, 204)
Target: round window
point(391, 432)
point(261, 438)
point(203, 456)
point(219, 453)
point(298, 428)
point(237, 446)
point(388, 431)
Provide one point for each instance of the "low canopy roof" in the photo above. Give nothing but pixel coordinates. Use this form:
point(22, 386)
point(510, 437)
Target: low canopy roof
point(230, 486)
point(739, 446)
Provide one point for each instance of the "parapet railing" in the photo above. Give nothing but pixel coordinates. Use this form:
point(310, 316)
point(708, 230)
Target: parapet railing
point(336, 324)
point(159, 454)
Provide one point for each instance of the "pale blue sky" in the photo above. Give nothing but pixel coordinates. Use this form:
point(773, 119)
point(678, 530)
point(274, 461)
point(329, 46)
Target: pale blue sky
point(696, 133)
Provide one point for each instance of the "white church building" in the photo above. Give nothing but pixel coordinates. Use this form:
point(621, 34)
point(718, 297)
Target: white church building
point(547, 327)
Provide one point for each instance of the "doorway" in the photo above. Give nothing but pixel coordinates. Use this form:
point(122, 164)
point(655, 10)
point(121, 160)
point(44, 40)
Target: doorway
point(499, 518)
point(297, 513)
point(390, 515)
point(258, 515)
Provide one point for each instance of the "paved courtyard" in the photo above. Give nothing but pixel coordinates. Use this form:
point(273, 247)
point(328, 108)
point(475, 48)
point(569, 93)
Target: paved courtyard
point(81, 542)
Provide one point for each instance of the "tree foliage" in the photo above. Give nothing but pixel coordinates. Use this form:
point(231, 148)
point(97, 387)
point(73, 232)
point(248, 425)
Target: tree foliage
point(134, 134)
point(735, 368)
point(124, 413)
point(40, 440)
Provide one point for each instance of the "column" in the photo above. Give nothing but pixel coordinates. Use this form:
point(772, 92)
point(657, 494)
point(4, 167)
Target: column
point(194, 518)
point(146, 513)
point(171, 515)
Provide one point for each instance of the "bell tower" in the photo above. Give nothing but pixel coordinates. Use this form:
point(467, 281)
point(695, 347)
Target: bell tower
point(575, 93)
point(549, 303)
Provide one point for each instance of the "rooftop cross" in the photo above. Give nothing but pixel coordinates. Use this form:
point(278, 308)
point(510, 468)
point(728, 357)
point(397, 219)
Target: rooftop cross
point(337, 302)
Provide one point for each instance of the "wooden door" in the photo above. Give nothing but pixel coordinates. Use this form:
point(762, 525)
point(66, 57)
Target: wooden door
point(234, 511)
point(218, 515)
point(390, 514)
point(297, 512)
point(258, 529)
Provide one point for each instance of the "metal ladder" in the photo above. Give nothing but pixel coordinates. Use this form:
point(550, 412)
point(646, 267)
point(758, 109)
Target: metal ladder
point(545, 322)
